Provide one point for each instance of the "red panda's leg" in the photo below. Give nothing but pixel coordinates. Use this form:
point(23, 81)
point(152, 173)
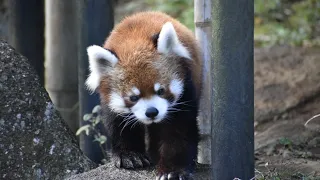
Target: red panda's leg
point(174, 160)
point(128, 146)
point(176, 148)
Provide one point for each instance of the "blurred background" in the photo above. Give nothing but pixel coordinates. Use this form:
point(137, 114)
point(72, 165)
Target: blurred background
point(294, 22)
point(286, 57)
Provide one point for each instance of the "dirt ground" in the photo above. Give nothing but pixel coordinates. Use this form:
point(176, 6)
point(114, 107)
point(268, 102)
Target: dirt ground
point(287, 94)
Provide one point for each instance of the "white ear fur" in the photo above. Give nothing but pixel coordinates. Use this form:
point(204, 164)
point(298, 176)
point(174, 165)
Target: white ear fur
point(168, 42)
point(100, 60)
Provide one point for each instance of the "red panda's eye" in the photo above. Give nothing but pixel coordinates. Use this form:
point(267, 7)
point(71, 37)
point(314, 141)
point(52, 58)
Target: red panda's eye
point(160, 92)
point(155, 38)
point(134, 98)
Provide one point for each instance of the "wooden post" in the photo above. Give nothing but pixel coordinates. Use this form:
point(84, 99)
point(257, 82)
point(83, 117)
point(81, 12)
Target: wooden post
point(202, 19)
point(97, 21)
point(62, 58)
point(232, 92)
point(26, 31)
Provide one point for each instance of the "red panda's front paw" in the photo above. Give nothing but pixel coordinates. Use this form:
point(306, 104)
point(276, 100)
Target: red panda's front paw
point(175, 176)
point(131, 160)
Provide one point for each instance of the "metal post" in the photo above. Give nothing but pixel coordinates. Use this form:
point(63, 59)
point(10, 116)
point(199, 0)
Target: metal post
point(232, 92)
point(97, 21)
point(26, 31)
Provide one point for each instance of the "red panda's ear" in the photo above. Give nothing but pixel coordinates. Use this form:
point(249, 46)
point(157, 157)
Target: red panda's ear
point(100, 60)
point(168, 42)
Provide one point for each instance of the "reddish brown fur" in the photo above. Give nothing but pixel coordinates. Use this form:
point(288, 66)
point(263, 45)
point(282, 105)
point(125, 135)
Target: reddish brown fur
point(172, 146)
point(131, 40)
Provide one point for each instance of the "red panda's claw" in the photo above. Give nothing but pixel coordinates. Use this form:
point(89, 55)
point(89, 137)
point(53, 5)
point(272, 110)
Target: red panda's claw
point(131, 160)
point(175, 176)
point(145, 160)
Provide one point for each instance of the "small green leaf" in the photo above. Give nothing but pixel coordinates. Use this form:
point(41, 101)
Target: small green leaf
point(285, 141)
point(101, 139)
point(96, 109)
point(87, 117)
point(96, 121)
point(83, 128)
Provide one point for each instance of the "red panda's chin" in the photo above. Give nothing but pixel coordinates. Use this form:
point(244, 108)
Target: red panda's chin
point(150, 121)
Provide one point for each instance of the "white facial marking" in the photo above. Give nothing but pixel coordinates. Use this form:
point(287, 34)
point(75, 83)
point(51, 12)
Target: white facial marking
point(136, 91)
point(140, 108)
point(96, 55)
point(168, 41)
point(117, 103)
point(176, 88)
point(156, 86)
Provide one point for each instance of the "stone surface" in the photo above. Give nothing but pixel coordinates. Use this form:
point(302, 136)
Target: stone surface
point(35, 143)
point(110, 172)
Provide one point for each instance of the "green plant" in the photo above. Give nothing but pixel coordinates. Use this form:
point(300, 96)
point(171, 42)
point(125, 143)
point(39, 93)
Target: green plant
point(93, 120)
point(180, 9)
point(287, 143)
point(293, 22)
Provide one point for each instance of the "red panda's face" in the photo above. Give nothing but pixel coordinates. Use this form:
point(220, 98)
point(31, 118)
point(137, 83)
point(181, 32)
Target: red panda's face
point(145, 90)
point(146, 103)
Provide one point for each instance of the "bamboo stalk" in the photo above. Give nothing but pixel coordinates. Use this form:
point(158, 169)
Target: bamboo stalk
point(61, 53)
point(202, 19)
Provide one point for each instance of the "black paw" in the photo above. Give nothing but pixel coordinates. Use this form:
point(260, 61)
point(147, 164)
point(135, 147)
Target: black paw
point(175, 176)
point(131, 160)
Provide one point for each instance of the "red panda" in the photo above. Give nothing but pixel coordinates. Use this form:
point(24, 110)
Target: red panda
point(148, 75)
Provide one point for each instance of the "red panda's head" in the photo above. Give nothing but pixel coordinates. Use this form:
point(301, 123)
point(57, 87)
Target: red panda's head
point(144, 81)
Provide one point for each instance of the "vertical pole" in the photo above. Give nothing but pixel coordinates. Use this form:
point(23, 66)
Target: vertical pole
point(232, 92)
point(62, 58)
point(202, 19)
point(97, 22)
point(26, 31)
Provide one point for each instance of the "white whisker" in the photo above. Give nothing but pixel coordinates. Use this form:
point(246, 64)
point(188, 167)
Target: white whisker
point(134, 124)
point(184, 103)
point(127, 123)
point(126, 118)
point(176, 109)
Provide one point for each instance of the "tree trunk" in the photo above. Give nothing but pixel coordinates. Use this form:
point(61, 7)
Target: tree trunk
point(232, 92)
point(62, 58)
point(26, 31)
point(202, 18)
point(97, 22)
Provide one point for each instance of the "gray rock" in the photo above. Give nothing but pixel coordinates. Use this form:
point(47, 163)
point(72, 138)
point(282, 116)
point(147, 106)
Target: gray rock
point(314, 142)
point(35, 143)
point(110, 172)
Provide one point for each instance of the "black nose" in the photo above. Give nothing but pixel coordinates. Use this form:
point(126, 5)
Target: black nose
point(152, 112)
